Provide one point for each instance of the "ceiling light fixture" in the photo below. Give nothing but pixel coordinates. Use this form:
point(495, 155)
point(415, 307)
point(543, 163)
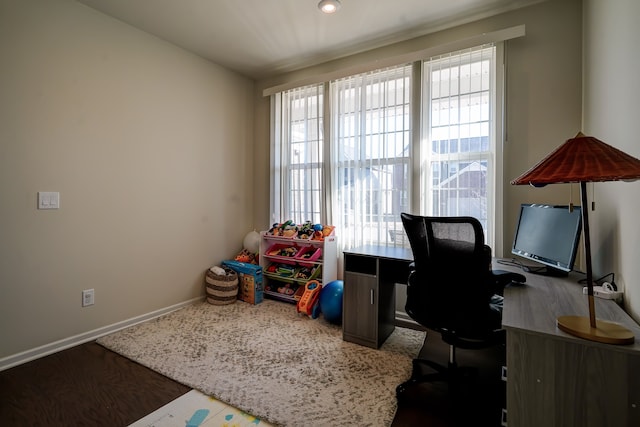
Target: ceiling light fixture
point(329, 6)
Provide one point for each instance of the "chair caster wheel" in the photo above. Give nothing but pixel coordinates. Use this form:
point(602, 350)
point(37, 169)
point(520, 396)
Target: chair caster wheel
point(400, 392)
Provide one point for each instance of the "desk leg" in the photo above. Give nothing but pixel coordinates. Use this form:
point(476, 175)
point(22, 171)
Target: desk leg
point(386, 311)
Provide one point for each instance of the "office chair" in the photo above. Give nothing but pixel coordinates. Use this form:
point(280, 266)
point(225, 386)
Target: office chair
point(452, 290)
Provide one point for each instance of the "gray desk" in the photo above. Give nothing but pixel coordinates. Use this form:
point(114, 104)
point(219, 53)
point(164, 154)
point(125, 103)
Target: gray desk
point(369, 300)
point(554, 379)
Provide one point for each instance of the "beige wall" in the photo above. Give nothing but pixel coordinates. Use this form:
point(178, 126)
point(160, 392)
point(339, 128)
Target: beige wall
point(543, 96)
point(162, 158)
point(150, 149)
point(611, 94)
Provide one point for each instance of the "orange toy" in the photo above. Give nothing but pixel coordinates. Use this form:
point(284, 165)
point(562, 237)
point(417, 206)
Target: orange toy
point(308, 303)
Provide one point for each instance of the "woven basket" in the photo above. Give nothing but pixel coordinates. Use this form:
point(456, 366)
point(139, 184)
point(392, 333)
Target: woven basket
point(220, 289)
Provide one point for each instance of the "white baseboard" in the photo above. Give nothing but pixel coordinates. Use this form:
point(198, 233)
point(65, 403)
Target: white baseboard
point(54, 347)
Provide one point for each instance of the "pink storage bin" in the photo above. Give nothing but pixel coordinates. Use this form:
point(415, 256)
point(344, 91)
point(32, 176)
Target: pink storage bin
point(307, 255)
point(275, 252)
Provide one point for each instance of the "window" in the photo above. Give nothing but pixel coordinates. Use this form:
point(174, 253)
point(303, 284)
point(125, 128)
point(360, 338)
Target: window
point(298, 156)
point(370, 147)
point(358, 174)
point(459, 128)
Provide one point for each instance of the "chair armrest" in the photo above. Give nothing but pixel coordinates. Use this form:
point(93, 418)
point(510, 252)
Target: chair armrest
point(412, 272)
point(501, 278)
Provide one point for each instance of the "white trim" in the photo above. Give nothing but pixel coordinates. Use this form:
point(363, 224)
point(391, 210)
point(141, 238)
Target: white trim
point(54, 347)
point(275, 133)
point(417, 120)
point(497, 206)
point(378, 61)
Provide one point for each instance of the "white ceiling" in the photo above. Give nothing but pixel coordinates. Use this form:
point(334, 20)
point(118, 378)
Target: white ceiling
point(260, 38)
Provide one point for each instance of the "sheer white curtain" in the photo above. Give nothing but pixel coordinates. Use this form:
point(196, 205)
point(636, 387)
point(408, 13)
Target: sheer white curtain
point(460, 133)
point(351, 164)
point(370, 156)
point(297, 186)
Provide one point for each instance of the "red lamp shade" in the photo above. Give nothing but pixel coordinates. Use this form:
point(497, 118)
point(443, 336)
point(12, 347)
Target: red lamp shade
point(582, 159)
point(586, 159)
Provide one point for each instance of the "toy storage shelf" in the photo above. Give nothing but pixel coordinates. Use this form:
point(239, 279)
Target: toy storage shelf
point(304, 260)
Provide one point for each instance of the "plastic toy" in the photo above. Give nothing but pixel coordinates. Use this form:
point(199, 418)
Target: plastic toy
point(283, 251)
point(304, 273)
point(284, 270)
point(305, 231)
point(321, 231)
point(308, 303)
point(286, 229)
point(331, 301)
point(246, 257)
point(286, 289)
point(281, 270)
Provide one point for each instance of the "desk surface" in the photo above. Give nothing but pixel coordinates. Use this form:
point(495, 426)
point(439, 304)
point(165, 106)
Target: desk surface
point(556, 379)
point(535, 307)
point(387, 252)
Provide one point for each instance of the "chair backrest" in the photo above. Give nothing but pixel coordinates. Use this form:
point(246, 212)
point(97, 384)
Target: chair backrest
point(449, 289)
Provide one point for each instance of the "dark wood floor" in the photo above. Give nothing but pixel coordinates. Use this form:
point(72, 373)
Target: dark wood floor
point(478, 401)
point(90, 386)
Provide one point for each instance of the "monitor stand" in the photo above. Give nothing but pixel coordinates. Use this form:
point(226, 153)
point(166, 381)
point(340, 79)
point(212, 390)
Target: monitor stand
point(545, 271)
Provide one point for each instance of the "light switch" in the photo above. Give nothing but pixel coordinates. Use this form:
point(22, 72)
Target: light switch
point(48, 200)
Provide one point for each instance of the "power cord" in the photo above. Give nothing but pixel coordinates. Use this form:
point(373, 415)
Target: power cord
point(605, 288)
point(603, 280)
point(524, 267)
point(532, 268)
point(511, 262)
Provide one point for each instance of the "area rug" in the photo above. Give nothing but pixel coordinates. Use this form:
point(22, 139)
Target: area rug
point(274, 363)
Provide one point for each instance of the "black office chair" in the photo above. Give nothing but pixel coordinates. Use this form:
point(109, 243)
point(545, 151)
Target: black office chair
point(452, 290)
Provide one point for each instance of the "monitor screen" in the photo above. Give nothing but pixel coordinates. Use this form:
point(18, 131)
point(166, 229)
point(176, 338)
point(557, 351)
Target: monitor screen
point(549, 235)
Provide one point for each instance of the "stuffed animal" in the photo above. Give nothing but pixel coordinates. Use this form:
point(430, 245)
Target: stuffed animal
point(286, 229)
point(305, 231)
point(218, 271)
point(246, 257)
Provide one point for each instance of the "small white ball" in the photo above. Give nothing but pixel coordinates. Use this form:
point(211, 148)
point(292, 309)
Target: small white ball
point(251, 242)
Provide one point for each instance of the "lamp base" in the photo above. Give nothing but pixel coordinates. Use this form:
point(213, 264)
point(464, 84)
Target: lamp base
point(605, 332)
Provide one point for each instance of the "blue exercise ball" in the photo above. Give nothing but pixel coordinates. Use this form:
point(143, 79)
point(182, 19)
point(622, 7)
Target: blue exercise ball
point(331, 301)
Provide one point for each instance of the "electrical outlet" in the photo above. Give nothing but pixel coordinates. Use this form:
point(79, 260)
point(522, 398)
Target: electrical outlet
point(48, 200)
point(87, 297)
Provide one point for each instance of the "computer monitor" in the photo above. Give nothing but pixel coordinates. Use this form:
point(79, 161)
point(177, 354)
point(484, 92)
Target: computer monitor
point(549, 235)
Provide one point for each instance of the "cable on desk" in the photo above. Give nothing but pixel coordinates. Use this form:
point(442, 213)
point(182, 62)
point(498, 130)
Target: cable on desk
point(515, 263)
point(535, 269)
point(602, 280)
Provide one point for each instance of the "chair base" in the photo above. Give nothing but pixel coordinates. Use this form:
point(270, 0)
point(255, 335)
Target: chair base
point(452, 374)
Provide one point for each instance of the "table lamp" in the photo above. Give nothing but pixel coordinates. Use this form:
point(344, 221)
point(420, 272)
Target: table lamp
point(586, 159)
